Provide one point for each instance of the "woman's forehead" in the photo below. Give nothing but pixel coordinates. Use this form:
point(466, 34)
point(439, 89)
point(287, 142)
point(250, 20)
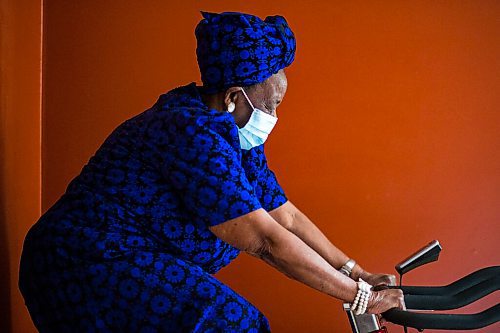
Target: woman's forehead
point(275, 87)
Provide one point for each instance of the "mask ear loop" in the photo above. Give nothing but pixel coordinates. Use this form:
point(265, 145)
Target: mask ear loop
point(248, 99)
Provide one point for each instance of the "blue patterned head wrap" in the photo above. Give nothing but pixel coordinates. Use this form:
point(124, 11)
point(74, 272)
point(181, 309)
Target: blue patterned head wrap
point(237, 49)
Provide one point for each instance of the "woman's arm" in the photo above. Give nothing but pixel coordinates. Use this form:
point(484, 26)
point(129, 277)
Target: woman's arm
point(299, 224)
point(258, 234)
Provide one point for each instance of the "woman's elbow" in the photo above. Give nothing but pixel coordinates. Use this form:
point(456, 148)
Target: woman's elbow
point(285, 215)
point(260, 247)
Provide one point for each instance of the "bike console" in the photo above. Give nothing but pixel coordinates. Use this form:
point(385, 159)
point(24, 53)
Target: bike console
point(425, 255)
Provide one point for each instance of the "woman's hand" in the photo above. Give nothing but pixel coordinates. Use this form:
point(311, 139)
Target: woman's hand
point(378, 279)
point(381, 301)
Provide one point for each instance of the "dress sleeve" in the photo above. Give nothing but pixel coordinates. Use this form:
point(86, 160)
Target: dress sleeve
point(271, 195)
point(208, 176)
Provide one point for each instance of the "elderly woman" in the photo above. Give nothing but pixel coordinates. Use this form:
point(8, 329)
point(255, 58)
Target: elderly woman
point(174, 194)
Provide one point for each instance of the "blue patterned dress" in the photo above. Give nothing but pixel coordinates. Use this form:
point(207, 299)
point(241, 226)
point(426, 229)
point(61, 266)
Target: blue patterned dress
point(127, 247)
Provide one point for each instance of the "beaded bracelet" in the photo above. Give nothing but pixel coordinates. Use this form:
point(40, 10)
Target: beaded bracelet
point(360, 302)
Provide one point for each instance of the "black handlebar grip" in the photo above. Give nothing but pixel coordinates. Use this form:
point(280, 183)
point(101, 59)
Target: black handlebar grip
point(447, 302)
point(457, 286)
point(444, 321)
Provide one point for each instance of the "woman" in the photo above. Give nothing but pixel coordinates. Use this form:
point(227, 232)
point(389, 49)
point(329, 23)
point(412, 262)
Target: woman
point(174, 194)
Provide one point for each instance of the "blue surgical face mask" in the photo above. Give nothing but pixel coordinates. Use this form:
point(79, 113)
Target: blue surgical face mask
point(257, 129)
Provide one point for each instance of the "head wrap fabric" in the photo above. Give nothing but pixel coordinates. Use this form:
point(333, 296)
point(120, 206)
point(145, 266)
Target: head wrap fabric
point(237, 49)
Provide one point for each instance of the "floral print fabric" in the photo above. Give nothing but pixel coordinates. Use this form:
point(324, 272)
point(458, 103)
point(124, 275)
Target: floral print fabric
point(127, 247)
point(238, 49)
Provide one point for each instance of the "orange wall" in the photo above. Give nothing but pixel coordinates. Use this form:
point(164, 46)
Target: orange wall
point(20, 144)
point(388, 136)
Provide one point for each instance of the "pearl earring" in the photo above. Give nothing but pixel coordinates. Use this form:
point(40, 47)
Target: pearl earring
point(231, 107)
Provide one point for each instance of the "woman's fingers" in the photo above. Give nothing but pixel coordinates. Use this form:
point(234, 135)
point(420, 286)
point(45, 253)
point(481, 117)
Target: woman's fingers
point(381, 279)
point(381, 301)
point(391, 279)
point(402, 301)
point(381, 319)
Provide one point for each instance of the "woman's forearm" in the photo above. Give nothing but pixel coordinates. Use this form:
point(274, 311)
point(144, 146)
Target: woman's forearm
point(308, 232)
point(258, 234)
point(291, 256)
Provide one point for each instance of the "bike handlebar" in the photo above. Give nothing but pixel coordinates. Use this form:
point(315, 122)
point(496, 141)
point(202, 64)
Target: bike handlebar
point(444, 321)
point(447, 302)
point(455, 295)
point(457, 286)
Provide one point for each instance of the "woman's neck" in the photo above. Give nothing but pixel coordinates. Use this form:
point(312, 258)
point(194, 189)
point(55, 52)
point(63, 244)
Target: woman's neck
point(213, 101)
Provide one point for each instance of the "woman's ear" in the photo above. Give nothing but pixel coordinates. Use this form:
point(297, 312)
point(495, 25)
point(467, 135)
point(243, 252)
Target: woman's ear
point(230, 96)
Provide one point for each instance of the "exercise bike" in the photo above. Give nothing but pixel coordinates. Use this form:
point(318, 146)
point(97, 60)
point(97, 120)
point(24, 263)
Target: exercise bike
point(453, 296)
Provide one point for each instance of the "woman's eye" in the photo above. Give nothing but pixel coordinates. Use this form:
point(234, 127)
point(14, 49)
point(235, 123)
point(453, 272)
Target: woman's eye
point(268, 109)
point(271, 112)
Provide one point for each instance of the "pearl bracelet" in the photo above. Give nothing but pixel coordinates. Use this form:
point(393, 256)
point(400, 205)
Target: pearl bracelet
point(360, 302)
